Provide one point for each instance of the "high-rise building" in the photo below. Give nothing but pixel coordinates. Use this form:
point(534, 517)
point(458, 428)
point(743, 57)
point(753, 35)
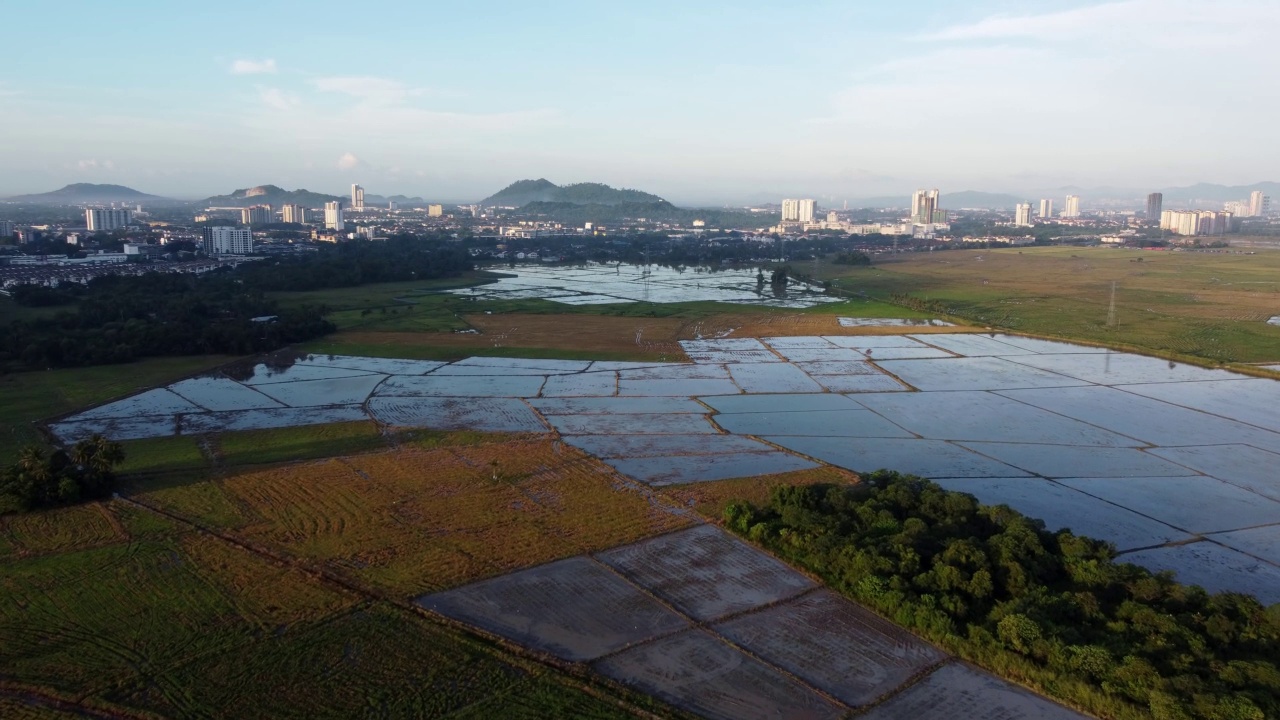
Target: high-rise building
point(1072, 208)
point(925, 207)
point(100, 219)
point(7, 228)
point(293, 214)
point(1046, 209)
point(257, 215)
point(435, 210)
point(1195, 222)
point(801, 210)
point(1155, 205)
point(1022, 215)
point(224, 240)
point(333, 215)
point(357, 197)
point(1259, 204)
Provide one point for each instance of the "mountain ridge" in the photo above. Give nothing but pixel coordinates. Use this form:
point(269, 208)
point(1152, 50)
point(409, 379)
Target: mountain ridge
point(542, 190)
point(86, 193)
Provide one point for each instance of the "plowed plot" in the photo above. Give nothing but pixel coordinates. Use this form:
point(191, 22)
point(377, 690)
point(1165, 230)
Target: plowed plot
point(706, 573)
point(955, 692)
point(847, 651)
point(698, 672)
point(786, 325)
point(711, 498)
point(413, 521)
point(81, 526)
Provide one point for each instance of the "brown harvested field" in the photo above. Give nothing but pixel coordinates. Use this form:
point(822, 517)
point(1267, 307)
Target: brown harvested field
point(710, 499)
point(648, 338)
point(412, 521)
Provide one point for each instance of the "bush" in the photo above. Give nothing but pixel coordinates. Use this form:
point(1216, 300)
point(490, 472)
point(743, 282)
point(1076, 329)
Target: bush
point(62, 477)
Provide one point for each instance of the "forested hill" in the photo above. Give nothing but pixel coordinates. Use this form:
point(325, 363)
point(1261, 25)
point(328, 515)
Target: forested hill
point(270, 195)
point(523, 192)
point(83, 193)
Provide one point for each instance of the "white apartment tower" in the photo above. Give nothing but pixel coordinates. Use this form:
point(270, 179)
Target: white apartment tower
point(802, 210)
point(924, 206)
point(1022, 215)
point(100, 219)
point(257, 215)
point(293, 214)
point(1259, 204)
point(1072, 208)
point(357, 197)
point(333, 215)
point(1046, 209)
point(228, 240)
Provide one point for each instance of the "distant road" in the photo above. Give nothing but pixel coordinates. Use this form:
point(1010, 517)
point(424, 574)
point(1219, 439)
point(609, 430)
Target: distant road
point(1271, 243)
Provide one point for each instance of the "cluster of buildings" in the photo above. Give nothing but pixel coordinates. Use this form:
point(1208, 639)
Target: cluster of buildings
point(1196, 222)
point(1258, 205)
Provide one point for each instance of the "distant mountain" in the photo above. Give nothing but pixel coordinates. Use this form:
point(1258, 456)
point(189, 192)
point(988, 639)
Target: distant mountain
point(88, 194)
point(271, 195)
point(523, 192)
point(1212, 193)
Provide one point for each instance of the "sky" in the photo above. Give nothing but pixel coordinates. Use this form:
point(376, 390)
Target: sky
point(701, 102)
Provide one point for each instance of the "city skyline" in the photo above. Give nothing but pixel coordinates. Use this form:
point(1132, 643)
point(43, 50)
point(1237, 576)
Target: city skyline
point(414, 119)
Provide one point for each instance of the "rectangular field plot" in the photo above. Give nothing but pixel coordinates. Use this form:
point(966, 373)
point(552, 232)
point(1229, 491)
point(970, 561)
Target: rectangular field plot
point(890, 322)
point(859, 383)
point(1062, 507)
point(310, 393)
point(263, 374)
point(679, 424)
point(789, 343)
point(984, 416)
point(772, 378)
point(1195, 504)
point(573, 609)
point(617, 446)
point(984, 373)
point(678, 470)
point(712, 357)
point(581, 385)
point(384, 366)
point(780, 403)
point(136, 428)
point(822, 423)
point(676, 372)
point(722, 345)
point(862, 342)
point(270, 418)
point(1214, 568)
point(904, 353)
point(1255, 401)
point(550, 366)
point(1263, 542)
point(150, 403)
point(701, 674)
point(705, 573)
point(1049, 347)
point(926, 458)
point(1240, 465)
point(856, 364)
point(973, 345)
point(483, 414)
point(1149, 420)
point(1123, 368)
point(616, 406)
point(1064, 461)
point(462, 386)
point(822, 354)
point(676, 388)
point(218, 393)
point(833, 644)
point(958, 692)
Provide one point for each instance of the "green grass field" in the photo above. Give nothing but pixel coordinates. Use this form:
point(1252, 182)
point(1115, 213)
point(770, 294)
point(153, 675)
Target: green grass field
point(1180, 304)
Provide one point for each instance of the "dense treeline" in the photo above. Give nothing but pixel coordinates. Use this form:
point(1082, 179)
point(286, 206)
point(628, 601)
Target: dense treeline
point(358, 263)
point(1052, 610)
point(62, 477)
point(124, 318)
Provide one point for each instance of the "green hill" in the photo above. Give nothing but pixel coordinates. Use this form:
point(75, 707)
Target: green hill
point(88, 193)
point(523, 192)
point(271, 195)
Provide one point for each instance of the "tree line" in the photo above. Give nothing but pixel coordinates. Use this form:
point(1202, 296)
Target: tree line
point(1052, 610)
point(62, 477)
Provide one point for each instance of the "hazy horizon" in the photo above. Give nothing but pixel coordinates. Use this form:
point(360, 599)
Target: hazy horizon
point(709, 104)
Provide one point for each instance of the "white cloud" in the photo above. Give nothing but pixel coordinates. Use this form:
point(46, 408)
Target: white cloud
point(253, 67)
point(376, 90)
point(348, 161)
point(277, 99)
point(89, 165)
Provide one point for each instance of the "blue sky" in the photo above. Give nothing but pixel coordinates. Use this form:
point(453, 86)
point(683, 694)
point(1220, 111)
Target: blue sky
point(697, 101)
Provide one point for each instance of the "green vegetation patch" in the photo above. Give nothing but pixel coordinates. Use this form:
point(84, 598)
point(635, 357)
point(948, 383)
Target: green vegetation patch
point(1053, 611)
point(162, 455)
point(308, 442)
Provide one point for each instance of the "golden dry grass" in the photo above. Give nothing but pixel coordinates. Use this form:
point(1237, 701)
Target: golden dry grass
point(709, 499)
point(412, 521)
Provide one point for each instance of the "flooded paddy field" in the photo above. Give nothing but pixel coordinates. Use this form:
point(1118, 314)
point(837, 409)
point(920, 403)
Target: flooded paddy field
point(1173, 463)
